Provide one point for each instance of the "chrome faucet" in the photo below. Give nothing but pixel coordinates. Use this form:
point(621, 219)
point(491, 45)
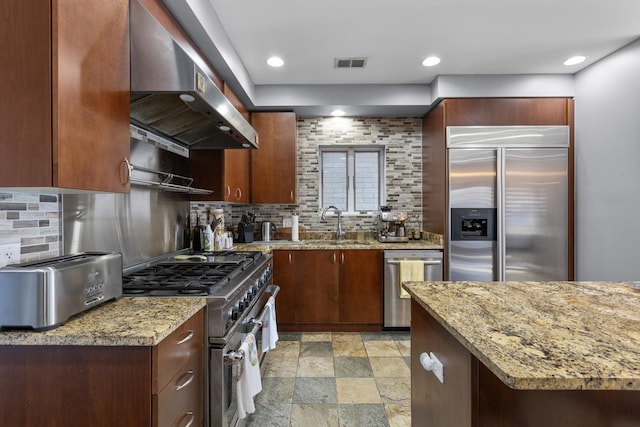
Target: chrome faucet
point(339, 231)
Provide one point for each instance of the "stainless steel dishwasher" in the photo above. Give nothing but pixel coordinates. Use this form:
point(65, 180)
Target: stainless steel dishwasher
point(397, 311)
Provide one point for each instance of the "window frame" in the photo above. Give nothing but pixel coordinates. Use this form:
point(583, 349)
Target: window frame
point(350, 151)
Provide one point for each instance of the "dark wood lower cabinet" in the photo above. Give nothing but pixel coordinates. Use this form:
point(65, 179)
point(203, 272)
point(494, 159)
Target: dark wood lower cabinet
point(329, 290)
point(473, 396)
point(75, 386)
point(97, 386)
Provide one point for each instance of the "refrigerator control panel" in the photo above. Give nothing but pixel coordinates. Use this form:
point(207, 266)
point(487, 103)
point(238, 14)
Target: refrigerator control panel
point(473, 224)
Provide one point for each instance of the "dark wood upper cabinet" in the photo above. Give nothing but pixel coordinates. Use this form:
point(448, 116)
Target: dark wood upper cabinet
point(64, 110)
point(506, 111)
point(273, 164)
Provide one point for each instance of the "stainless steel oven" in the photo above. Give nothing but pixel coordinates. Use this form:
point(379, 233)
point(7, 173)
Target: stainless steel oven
point(226, 357)
point(237, 286)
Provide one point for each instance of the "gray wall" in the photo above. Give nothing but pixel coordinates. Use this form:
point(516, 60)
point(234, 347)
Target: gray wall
point(608, 167)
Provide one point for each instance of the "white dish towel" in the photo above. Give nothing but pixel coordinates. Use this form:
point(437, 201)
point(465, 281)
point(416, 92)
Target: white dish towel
point(269, 326)
point(248, 377)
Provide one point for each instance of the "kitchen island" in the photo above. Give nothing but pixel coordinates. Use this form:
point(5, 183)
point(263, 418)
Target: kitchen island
point(526, 353)
point(135, 361)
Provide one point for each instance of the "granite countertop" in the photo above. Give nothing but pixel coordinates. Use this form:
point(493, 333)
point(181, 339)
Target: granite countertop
point(543, 335)
point(431, 241)
point(129, 321)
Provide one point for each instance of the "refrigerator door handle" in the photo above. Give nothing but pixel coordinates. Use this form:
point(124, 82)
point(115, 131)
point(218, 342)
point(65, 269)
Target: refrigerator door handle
point(500, 205)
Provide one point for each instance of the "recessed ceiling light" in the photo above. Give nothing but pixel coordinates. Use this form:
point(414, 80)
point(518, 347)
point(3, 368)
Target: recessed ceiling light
point(574, 60)
point(431, 61)
point(337, 113)
point(275, 61)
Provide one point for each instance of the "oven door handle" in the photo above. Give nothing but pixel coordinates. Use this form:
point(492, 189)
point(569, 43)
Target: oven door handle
point(273, 291)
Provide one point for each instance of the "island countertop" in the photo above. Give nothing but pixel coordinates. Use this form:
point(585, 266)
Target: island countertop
point(129, 321)
point(543, 335)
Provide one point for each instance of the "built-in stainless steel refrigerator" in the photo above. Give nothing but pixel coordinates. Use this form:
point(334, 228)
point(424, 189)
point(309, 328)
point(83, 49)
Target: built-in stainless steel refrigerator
point(508, 202)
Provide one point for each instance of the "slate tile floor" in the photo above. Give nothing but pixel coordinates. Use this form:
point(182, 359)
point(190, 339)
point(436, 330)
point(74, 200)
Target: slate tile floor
point(336, 379)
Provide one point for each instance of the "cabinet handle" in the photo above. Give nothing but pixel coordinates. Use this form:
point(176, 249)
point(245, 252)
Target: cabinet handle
point(126, 167)
point(238, 194)
point(334, 258)
point(290, 257)
point(341, 257)
point(426, 262)
point(191, 419)
point(189, 376)
point(228, 191)
point(190, 334)
point(291, 195)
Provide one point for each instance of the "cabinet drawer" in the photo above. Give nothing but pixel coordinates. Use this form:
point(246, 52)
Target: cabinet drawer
point(175, 351)
point(180, 403)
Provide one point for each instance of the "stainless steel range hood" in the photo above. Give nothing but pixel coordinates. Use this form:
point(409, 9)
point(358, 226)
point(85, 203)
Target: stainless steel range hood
point(173, 97)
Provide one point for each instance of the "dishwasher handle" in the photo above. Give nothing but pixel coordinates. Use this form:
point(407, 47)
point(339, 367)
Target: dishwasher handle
point(425, 262)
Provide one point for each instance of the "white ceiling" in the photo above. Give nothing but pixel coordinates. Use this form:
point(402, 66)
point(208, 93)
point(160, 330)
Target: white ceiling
point(470, 36)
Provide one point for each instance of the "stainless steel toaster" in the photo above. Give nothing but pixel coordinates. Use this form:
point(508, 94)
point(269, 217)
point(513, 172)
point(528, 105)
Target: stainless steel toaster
point(44, 294)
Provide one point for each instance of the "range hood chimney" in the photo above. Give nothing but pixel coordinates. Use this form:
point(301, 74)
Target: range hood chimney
point(171, 96)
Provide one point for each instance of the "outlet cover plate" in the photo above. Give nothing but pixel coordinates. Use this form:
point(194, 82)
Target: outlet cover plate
point(9, 254)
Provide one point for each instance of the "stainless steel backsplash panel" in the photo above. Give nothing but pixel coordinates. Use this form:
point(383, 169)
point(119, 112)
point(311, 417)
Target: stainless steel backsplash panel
point(142, 224)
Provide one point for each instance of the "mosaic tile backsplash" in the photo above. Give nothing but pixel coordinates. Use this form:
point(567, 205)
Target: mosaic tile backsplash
point(29, 227)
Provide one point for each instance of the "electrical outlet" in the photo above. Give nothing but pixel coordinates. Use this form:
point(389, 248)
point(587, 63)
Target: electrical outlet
point(9, 254)
point(286, 222)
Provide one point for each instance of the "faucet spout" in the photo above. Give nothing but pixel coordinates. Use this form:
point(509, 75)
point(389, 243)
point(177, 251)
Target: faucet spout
point(339, 231)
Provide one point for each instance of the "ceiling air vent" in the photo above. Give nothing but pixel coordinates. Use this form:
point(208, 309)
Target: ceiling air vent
point(350, 62)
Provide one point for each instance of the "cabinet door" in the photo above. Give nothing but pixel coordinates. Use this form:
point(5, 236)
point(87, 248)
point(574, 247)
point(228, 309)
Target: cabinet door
point(226, 172)
point(316, 292)
point(64, 110)
point(236, 175)
point(283, 276)
point(361, 286)
point(273, 165)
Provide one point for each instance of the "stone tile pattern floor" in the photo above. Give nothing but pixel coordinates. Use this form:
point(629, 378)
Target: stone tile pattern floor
point(336, 379)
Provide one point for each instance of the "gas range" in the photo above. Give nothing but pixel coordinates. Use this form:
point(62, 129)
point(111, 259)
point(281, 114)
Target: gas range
point(232, 282)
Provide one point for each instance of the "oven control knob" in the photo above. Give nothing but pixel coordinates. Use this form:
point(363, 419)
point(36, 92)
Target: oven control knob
point(234, 313)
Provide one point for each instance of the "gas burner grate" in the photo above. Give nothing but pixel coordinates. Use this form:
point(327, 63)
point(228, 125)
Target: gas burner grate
point(181, 278)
